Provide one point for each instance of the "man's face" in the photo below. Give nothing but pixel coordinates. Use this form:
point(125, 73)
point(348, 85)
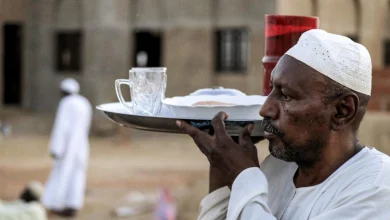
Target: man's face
point(296, 120)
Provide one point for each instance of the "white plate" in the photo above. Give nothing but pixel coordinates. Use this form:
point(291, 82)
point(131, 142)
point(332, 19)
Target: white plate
point(243, 107)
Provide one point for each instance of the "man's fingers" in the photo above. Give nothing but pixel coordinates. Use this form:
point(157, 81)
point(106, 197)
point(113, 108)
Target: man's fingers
point(219, 124)
point(245, 135)
point(200, 138)
point(188, 129)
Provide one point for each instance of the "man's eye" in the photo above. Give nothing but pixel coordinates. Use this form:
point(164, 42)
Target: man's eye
point(286, 97)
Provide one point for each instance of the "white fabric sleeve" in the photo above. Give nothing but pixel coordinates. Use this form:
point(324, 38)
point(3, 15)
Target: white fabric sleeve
point(60, 130)
point(214, 205)
point(371, 203)
point(249, 197)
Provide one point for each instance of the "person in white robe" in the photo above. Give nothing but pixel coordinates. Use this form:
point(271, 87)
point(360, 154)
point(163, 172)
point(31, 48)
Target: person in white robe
point(20, 210)
point(69, 146)
point(317, 169)
point(27, 206)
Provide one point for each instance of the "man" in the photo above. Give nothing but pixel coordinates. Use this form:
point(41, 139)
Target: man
point(27, 206)
point(32, 192)
point(317, 169)
point(69, 146)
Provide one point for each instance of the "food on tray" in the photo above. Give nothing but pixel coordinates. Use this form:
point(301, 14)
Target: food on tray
point(208, 103)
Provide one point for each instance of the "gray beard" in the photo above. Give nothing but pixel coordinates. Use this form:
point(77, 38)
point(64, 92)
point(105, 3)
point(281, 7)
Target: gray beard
point(304, 156)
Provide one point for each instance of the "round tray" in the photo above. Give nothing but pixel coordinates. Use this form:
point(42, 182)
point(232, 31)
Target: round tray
point(165, 122)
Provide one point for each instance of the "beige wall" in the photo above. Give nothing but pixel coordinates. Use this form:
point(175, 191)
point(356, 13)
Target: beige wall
point(374, 131)
point(189, 68)
point(14, 10)
point(373, 26)
point(251, 15)
point(10, 11)
point(337, 16)
point(188, 40)
point(294, 7)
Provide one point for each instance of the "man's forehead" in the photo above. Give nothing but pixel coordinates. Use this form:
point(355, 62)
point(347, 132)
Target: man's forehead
point(294, 73)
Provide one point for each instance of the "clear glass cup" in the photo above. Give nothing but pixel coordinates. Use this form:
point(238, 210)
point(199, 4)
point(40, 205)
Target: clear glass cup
point(147, 90)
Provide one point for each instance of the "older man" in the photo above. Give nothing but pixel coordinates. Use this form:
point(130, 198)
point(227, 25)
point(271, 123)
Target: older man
point(317, 169)
point(69, 147)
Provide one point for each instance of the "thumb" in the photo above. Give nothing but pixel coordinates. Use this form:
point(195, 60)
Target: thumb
point(245, 135)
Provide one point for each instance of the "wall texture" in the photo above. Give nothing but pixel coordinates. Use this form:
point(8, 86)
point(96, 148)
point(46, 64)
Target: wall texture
point(187, 29)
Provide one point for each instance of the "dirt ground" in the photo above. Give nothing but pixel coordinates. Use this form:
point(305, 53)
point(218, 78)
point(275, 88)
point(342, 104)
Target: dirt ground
point(140, 161)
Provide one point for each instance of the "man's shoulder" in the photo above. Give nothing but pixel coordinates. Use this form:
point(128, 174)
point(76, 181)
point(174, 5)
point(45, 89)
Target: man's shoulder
point(75, 99)
point(378, 163)
point(369, 170)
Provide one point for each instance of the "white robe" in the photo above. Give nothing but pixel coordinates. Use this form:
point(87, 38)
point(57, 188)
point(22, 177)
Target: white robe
point(20, 210)
point(69, 142)
point(358, 190)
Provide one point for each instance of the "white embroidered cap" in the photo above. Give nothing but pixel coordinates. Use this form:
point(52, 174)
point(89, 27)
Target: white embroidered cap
point(36, 188)
point(337, 57)
point(70, 85)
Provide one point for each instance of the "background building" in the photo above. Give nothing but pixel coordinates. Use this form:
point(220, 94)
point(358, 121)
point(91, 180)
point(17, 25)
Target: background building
point(96, 41)
point(203, 43)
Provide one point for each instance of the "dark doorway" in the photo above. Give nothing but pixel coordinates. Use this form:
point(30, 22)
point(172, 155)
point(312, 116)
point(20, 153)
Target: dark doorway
point(12, 63)
point(147, 49)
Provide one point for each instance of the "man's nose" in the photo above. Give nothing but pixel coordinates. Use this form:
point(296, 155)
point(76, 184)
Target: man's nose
point(269, 109)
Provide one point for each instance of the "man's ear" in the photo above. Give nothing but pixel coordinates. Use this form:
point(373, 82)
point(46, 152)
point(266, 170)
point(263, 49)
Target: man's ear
point(345, 109)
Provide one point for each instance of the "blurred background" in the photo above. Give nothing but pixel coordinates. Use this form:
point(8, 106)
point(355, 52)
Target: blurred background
point(203, 43)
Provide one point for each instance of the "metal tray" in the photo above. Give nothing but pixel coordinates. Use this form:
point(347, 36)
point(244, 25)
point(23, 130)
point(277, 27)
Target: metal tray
point(167, 123)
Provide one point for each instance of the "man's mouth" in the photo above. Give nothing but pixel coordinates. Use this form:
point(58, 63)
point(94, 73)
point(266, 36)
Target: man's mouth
point(269, 130)
point(268, 135)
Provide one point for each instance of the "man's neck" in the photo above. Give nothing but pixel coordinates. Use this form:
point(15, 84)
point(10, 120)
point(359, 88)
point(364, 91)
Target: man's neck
point(332, 158)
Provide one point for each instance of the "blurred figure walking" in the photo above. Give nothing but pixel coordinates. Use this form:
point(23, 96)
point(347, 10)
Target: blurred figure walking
point(69, 147)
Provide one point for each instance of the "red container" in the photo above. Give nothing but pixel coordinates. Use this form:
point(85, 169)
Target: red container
point(281, 33)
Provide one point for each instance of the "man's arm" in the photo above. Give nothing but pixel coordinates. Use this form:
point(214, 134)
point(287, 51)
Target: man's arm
point(60, 130)
point(217, 179)
point(247, 200)
point(232, 159)
point(214, 205)
point(249, 197)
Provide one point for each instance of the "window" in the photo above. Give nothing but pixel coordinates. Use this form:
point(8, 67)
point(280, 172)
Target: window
point(147, 48)
point(231, 51)
point(386, 52)
point(68, 51)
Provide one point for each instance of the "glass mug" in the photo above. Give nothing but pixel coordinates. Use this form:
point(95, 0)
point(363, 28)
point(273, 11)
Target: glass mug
point(147, 90)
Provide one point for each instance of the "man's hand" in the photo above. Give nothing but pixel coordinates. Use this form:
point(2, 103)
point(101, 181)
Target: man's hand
point(222, 152)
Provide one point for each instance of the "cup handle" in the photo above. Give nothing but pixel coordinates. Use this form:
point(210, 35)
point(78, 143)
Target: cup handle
point(118, 84)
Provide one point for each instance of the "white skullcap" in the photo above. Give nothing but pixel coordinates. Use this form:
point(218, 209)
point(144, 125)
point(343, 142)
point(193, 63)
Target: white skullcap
point(36, 188)
point(337, 57)
point(70, 85)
